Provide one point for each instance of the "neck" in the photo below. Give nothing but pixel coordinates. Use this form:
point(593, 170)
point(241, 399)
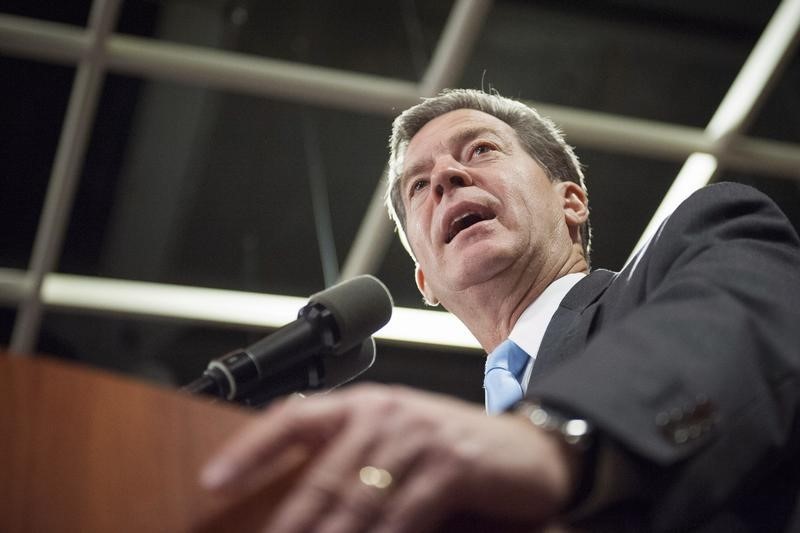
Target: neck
point(491, 309)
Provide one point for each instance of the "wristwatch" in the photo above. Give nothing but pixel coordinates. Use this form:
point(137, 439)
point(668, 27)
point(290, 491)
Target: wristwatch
point(575, 432)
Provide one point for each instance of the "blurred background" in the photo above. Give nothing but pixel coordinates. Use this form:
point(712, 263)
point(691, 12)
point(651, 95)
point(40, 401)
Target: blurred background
point(239, 145)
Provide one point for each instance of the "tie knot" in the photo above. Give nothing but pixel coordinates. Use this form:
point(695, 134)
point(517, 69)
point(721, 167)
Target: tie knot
point(508, 356)
point(502, 381)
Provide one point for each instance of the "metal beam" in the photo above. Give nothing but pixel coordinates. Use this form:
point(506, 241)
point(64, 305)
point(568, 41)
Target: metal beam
point(258, 76)
point(297, 82)
point(735, 113)
point(42, 40)
point(217, 69)
point(66, 170)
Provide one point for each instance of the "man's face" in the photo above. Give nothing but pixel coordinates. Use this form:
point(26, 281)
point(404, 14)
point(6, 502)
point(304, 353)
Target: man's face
point(478, 206)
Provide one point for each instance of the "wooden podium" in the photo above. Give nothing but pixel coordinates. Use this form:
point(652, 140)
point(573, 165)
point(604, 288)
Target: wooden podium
point(86, 451)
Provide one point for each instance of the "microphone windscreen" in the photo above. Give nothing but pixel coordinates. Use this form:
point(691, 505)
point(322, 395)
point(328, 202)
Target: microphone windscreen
point(360, 306)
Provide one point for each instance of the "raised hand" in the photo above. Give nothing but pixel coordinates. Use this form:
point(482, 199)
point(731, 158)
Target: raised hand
point(388, 458)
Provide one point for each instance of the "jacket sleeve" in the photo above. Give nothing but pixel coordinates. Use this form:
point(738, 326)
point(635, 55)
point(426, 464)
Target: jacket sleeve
point(694, 367)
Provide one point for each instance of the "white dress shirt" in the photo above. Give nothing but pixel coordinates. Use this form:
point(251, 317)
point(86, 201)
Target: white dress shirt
point(529, 330)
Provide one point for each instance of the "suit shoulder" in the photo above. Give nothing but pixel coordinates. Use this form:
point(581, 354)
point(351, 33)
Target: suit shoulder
point(725, 202)
point(727, 192)
point(719, 215)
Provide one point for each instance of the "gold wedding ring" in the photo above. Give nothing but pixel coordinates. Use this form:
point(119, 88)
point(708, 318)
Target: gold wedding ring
point(372, 476)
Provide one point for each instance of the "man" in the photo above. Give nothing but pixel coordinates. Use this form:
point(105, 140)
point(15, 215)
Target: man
point(661, 398)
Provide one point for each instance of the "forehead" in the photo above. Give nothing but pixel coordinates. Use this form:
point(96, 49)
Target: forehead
point(437, 132)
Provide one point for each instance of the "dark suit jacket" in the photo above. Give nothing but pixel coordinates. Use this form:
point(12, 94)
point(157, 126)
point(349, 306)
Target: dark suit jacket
point(689, 360)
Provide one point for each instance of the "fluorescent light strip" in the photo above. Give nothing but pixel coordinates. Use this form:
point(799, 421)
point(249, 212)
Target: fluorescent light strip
point(695, 174)
point(238, 308)
point(427, 327)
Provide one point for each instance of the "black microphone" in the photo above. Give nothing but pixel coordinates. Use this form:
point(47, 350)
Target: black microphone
point(320, 374)
point(333, 322)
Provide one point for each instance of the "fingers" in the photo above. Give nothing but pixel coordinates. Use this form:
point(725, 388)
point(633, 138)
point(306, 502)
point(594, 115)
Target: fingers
point(370, 481)
point(327, 484)
point(333, 488)
point(279, 428)
point(434, 456)
point(421, 461)
point(420, 504)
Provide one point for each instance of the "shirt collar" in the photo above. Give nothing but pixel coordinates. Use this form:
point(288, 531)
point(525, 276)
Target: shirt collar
point(529, 330)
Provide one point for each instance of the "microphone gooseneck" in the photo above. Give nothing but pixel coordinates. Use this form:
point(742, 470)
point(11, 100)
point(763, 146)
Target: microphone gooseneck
point(335, 322)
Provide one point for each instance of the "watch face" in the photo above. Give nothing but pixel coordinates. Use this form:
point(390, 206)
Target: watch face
point(574, 431)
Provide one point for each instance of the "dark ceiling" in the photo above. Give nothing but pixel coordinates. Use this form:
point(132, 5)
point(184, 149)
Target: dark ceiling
point(189, 185)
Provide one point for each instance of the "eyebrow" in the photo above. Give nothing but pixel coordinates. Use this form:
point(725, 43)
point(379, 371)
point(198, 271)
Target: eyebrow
point(460, 138)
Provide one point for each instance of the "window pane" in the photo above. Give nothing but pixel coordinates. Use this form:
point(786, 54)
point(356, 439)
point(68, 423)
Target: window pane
point(670, 61)
point(70, 12)
point(190, 186)
point(34, 97)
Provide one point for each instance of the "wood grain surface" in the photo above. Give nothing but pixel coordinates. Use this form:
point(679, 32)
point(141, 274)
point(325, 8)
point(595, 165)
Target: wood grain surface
point(83, 450)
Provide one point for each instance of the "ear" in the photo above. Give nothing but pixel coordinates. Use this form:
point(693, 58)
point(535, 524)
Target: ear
point(574, 202)
point(425, 290)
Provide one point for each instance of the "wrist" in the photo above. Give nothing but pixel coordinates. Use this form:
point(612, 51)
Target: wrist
point(575, 440)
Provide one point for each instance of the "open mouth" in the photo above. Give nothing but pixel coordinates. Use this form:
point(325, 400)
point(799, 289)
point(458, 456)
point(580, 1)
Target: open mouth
point(463, 222)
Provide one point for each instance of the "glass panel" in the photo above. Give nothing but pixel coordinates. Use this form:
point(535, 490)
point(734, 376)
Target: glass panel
point(71, 12)
point(779, 117)
point(189, 186)
point(35, 99)
point(661, 61)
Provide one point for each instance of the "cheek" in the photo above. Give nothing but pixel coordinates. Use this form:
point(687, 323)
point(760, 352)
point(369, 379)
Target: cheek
point(422, 219)
point(523, 209)
point(533, 219)
point(417, 236)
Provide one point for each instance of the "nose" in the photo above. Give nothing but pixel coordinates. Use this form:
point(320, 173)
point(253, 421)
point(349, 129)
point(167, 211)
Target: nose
point(447, 175)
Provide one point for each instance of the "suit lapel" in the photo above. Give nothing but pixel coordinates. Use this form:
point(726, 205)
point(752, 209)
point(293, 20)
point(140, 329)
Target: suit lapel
point(569, 328)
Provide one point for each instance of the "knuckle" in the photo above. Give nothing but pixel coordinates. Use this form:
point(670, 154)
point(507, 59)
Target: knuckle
point(454, 452)
point(370, 394)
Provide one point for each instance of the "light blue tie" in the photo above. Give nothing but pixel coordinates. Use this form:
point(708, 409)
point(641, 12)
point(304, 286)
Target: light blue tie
point(504, 369)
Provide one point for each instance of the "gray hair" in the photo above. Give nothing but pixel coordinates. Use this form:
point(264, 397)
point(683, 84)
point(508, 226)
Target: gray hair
point(539, 136)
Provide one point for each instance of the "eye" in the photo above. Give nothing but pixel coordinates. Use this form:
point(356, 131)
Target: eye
point(416, 186)
point(482, 148)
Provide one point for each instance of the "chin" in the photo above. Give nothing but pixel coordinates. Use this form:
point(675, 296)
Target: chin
point(480, 264)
